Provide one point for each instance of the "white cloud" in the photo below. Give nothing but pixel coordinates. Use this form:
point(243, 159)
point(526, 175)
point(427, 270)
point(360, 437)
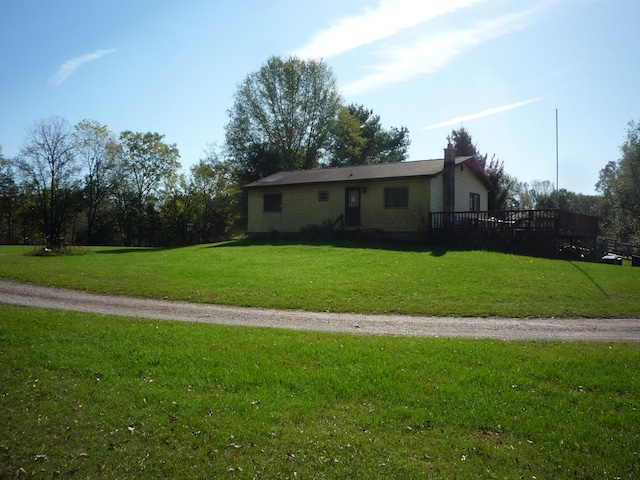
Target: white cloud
point(484, 113)
point(431, 53)
point(389, 18)
point(70, 66)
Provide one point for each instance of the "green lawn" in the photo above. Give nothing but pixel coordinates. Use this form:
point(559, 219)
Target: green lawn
point(347, 277)
point(91, 396)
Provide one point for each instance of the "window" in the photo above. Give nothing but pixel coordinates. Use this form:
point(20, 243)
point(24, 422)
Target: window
point(273, 202)
point(474, 202)
point(396, 197)
point(323, 196)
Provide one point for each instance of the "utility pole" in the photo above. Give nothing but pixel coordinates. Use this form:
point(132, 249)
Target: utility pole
point(557, 187)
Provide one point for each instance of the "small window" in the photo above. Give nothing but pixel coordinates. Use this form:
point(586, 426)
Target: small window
point(323, 196)
point(273, 202)
point(396, 197)
point(474, 202)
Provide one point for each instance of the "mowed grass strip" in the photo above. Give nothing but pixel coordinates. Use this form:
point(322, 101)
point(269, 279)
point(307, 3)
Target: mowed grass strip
point(92, 396)
point(347, 277)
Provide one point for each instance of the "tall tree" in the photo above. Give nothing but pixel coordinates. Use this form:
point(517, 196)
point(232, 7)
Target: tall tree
point(463, 143)
point(96, 148)
point(8, 199)
point(348, 144)
point(176, 216)
point(147, 165)
point(543, 194)
point(620, 186)
point(285, 111)
point(579, 203)
point(204, 207)
point(501, 195)
point(358, 138)
point(216, 198)
point(503, 192)
point(608, 204)
point(48, 163)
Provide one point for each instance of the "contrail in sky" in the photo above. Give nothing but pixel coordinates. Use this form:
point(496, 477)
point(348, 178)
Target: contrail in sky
point(70, 66)
point(484, 113)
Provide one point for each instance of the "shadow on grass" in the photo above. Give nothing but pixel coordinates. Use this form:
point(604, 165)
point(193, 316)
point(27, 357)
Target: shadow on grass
point(438, 251)
point(435, 249)
point(115, 251)
point(590, 278)
point(399, 246)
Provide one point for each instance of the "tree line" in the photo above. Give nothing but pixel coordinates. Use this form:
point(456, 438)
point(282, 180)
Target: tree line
point(84, 184)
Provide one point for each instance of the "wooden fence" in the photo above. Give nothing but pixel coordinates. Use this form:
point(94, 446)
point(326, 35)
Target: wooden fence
point(609, 245)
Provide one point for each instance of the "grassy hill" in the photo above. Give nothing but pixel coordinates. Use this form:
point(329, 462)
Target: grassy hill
point(347, 277)
point(94, 396)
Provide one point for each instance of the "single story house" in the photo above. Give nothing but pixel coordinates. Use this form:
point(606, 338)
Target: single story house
point(394, 198)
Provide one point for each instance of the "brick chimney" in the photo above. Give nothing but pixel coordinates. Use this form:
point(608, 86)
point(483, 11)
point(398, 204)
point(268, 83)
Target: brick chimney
point(449, 179)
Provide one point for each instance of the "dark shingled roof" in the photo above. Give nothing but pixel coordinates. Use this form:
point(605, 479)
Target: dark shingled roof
point(358, 173)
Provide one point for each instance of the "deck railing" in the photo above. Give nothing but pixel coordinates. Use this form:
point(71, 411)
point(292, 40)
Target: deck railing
point(561, 222)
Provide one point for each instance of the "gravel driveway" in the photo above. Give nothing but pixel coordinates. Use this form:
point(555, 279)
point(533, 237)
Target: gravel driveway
point(500, 328)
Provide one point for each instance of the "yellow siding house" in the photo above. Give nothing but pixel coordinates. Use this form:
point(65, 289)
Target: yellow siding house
point(392, 198)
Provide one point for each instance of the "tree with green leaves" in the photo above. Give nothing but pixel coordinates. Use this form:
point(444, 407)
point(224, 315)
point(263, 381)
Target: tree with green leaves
point(8, 200)
point(579, 202)
point(463, 143)
point(544, 195)
point(502, 194)
point(205, 206)
point(96, 148)
point(619, 185)
point(282, 115)
point(147, 166)
point(541, 194)
point(48, 166)
point(358, 138)
point(214, 191)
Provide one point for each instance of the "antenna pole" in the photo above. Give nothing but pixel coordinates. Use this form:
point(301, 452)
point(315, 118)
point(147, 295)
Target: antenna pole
point(557, 187)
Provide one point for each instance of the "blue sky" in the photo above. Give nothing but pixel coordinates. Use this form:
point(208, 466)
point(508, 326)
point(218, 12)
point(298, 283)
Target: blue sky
point(499, 68)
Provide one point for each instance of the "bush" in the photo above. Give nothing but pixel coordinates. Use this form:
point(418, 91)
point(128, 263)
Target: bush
point(318, 231)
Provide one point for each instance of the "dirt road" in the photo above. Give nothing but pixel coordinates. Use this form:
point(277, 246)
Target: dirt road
point(500, 328)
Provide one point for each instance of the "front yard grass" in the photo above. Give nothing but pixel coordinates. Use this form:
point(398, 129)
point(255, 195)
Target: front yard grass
point(90, 396)
point(346, 277)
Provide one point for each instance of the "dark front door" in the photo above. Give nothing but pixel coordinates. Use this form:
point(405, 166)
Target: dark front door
point(352, 207)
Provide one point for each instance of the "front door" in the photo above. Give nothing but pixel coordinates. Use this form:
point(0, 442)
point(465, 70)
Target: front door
point(352, 207)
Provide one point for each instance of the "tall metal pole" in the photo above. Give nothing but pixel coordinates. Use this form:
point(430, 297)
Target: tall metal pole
point(557, 192)
point(557, 186)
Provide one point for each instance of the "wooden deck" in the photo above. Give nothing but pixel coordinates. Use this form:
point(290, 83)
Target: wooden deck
point(554, 233)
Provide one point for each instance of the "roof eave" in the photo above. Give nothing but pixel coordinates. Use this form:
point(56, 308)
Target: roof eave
point(333, 182)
